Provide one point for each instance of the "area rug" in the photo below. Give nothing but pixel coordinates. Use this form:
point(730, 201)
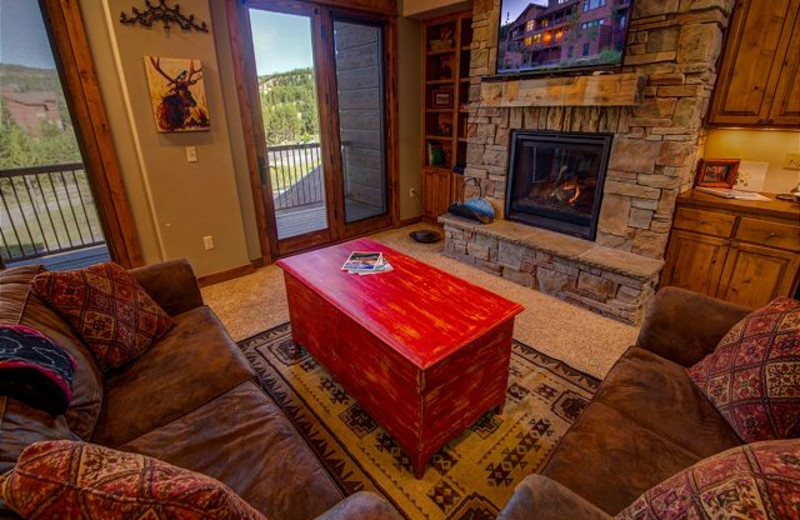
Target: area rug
point(470, 478)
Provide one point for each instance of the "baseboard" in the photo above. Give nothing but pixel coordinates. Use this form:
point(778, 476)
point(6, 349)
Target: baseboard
point(224, 276)
point(409, 221)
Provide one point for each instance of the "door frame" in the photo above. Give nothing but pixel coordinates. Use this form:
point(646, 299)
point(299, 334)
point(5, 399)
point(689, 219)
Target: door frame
point(247, 85)
point(65, 29)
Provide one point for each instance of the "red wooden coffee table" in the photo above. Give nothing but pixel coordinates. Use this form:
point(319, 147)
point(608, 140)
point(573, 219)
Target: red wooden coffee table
point(425, 353)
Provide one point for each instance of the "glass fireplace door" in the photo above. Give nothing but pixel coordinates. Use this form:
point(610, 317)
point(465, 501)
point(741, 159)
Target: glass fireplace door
point(556, 180)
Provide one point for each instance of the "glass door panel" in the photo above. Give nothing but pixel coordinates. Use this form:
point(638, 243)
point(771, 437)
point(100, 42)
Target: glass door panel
point(358, 51)
point(47, 210)
point(287, 90)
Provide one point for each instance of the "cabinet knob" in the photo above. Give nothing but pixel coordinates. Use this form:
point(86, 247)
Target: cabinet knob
point(761, 120)
point(771, 120)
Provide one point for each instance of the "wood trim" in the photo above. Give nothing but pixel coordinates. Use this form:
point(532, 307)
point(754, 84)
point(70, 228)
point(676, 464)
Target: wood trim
point(607, 90)
point(242, 49)
point(76, 69)
point(408, 221)
point(224, 276)
point(387, 7)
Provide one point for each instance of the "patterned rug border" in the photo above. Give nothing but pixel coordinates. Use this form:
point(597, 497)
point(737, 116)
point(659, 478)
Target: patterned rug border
point(317, 446)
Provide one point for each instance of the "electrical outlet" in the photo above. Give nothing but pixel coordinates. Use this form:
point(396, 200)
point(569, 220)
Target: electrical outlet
point(791, 161)
point(191, 154)
point(412, 193)
point(208, 242)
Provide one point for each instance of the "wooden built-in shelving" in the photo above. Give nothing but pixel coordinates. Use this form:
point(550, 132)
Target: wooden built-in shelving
point(445, 74)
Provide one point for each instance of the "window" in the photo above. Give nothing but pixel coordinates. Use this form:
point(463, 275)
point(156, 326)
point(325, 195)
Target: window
point(559, 35)
point(531, 25)
point(547, 37)
point(593, 23)
point(623, 19)
point(537, 38)
point(545, 23)
point(585, 49)
point(570, 51)
point(528, 41)
point(588, 5)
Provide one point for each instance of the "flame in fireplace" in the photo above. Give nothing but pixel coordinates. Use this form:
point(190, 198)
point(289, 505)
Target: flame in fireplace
point(567, 193)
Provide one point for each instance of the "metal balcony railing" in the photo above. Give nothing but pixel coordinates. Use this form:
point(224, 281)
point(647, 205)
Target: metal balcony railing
point(46, 210)
point(296, 175)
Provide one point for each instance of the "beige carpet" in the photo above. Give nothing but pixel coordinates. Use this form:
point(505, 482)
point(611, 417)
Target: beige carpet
point(582, 339)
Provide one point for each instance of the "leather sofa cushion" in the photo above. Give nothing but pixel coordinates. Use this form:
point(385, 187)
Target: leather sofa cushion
point(659, 395)
point(609, 459)
point(244, 440)
point(194, 363)
point(21, 425)
point(19, 306)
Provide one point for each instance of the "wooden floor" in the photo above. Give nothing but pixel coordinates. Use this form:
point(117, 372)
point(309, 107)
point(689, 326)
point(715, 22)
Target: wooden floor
point(305, 219)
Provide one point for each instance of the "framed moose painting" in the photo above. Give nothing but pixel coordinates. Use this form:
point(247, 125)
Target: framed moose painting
point(178, 94)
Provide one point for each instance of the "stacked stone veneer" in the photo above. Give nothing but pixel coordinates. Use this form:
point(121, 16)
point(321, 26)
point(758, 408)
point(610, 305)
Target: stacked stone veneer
point(676, 44)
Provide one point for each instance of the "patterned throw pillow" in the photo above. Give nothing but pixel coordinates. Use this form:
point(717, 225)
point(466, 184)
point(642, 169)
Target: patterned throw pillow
point(69, 479)
point(753, 376)
point(755, 481)
point(108, 309)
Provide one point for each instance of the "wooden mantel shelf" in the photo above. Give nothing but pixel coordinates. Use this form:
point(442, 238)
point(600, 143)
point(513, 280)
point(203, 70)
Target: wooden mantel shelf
point(601, 90)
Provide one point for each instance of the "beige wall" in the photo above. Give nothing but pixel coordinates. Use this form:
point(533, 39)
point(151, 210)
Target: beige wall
point(761, 146)
point(427, 8)
point(409, 70)
point(175, 203)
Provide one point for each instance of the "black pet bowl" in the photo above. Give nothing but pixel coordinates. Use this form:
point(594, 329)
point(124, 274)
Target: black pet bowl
point(425, 236)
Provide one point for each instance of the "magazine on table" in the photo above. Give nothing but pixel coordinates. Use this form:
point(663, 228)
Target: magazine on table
point(366, 262)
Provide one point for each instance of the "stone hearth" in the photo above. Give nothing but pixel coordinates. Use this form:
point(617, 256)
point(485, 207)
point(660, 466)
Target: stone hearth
point(674, 44)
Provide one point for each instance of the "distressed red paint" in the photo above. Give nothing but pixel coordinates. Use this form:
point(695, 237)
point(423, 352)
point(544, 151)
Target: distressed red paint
point(425, 353)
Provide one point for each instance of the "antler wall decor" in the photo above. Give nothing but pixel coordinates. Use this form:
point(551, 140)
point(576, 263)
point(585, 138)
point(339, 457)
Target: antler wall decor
point(164, 14)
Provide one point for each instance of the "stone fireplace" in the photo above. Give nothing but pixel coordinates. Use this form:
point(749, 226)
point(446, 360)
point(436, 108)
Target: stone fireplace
point(652, 115)
point(556, 179)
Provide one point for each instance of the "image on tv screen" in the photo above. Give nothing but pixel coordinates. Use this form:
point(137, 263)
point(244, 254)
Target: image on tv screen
point(554, 35)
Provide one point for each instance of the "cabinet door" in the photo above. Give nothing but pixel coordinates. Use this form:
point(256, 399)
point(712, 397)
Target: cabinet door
point(757, 42)
point(694, 262)
point(435, 192)
point(754, 275)
point(428, 193)
point(442, 191)
point(785, 109)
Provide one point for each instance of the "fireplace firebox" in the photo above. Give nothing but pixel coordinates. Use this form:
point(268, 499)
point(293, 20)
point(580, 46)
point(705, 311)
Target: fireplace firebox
point(555, 180)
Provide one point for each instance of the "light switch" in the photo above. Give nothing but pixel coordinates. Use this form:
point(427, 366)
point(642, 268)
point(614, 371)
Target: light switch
point(208, 242)
point(191, 154)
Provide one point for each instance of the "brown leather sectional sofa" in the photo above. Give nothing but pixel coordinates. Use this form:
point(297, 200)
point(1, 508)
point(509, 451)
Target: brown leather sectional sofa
point(190, 401)
point(647, 422)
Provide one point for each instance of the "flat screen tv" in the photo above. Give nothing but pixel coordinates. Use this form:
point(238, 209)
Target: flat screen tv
point(551, 36)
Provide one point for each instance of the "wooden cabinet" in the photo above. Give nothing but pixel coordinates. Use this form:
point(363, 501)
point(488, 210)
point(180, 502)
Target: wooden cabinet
point(758, 81)
point(446, 48)
point(436, 192)
point(740, 251)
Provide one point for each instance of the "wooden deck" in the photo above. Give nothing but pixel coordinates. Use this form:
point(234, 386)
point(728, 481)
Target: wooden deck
point(297, 221)
point(70, 260)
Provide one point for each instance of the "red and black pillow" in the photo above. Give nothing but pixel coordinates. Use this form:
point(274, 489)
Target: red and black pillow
point(34, 370)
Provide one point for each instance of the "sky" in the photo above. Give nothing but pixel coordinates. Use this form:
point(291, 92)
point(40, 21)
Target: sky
point(23, 40)
point(511, 8)
point(282, 42)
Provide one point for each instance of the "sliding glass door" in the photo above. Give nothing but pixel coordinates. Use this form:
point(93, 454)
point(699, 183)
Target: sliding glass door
point(358, 50)
point(321, 121)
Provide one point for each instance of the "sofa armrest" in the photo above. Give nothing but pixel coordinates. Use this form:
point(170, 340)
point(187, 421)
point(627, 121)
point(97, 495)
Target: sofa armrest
point(684, 326)
point(171, 284)
point(362, 505)
point(544, 499)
